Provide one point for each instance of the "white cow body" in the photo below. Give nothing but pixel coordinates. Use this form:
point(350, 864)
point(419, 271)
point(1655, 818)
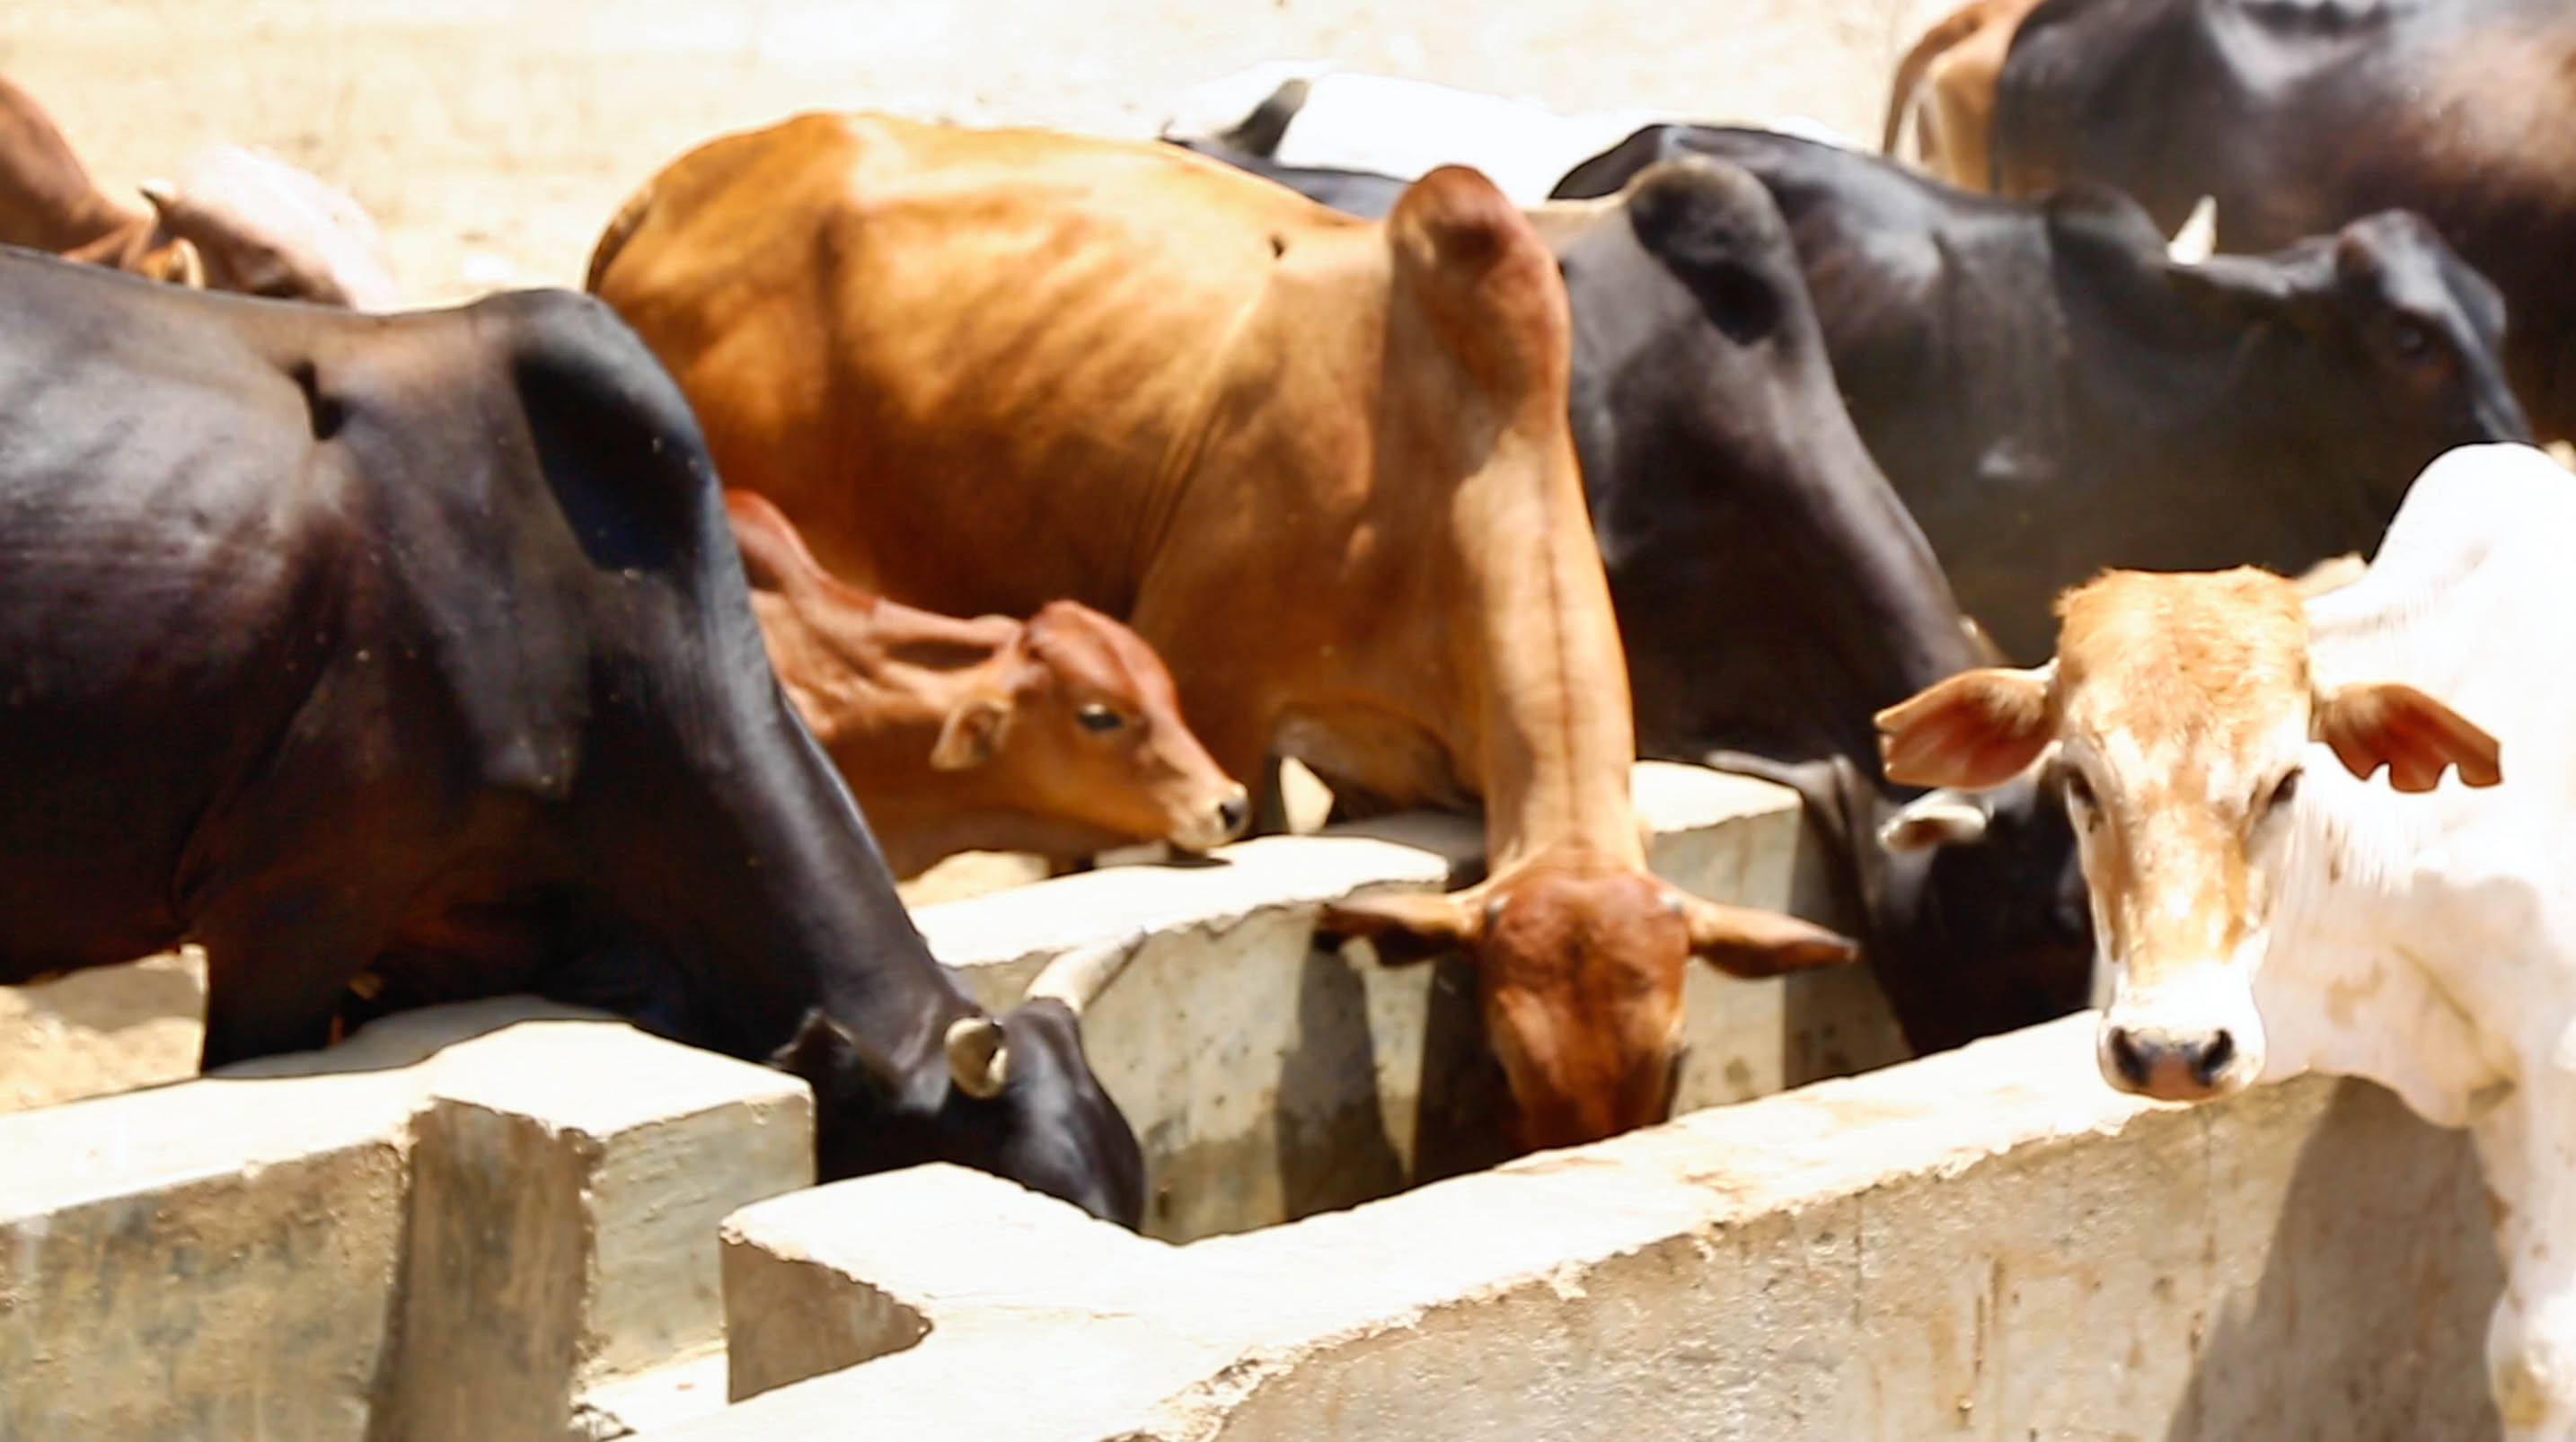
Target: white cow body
point(2429, 942)
point(2262, 910)
point(1353, 120)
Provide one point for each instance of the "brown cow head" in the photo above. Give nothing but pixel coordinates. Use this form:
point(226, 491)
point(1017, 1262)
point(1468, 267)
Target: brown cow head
point(1581, 980)
point(2181, 709)
point(1081, 719)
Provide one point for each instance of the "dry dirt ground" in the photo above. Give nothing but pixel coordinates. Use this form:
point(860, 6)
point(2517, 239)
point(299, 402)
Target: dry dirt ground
point(491, 141)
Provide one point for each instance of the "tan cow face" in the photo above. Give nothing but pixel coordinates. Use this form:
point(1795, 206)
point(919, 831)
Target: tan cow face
point(1086, 723)
point(1581, 981)
point(2180, 708)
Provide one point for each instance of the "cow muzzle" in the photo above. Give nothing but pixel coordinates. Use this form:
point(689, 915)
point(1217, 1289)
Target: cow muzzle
point(2191, 1040)
point(1211, 825)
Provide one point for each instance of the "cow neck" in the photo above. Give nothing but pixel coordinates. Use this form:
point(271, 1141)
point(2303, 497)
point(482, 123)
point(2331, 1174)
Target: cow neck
point(46, 188)
point(1559, 737)
point(879, 666)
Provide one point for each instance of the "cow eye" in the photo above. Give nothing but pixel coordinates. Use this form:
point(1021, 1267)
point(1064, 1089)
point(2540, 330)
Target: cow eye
point(2284, 790)
point(2079, 792)
point(2409, 339)
point(1096, 717)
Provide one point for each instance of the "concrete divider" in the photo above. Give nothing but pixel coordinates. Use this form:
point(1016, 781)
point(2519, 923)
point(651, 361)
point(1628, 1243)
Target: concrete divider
point(1984, 1244)
point(1271, 1079)
point(493, 1221)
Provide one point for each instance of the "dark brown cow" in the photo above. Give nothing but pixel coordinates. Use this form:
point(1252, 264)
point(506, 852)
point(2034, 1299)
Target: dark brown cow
point(1060, 735)
point(1321, 464)
point(2304, 114)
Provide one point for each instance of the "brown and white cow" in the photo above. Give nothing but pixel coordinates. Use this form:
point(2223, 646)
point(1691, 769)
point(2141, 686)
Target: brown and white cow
point(1946, 86)
point(228, 219)
point(2263, 910)
point(1060, 734)
point(1321, 464)
point(49, 202)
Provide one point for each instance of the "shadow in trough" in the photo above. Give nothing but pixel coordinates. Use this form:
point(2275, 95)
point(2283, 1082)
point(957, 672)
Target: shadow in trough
point(2370, 1322)
point(1332, 1146)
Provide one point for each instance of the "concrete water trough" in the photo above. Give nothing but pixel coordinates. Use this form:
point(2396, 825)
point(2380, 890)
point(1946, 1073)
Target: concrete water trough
point(499, 1220)
point(502, 1221)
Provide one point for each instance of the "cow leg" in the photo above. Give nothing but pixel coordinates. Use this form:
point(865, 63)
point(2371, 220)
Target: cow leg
point(2531, 1195)
point(271, 990)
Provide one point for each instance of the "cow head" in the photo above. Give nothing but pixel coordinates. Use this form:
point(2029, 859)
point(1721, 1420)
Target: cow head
point(1012, 1095)
point(2178, 713)
point(262, 227)
point(1081, 720)
point(1580, 973)
point(2390, 325)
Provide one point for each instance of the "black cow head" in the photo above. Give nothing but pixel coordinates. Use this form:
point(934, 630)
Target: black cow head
point(1011, 1095)
point(2378, 338)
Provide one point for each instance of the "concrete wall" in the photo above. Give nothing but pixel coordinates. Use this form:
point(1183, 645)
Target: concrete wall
point(1986, 1244)
point(1270, 1079)
point(482, 1223)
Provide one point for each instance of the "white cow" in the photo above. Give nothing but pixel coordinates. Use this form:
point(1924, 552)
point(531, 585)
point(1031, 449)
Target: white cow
point(2263, 911)
point(1321, 116)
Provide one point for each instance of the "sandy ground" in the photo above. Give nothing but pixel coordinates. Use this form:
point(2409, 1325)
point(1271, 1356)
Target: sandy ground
point(491, 141)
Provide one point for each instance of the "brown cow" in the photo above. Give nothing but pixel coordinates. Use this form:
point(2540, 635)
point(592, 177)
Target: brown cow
point(231, 219)
point(1320, 463)
point(1946, 83)
point(1060, 735)
point(49, 202)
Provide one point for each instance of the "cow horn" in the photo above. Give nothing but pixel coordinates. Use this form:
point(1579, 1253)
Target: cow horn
point(978, 1059)
point(2198, 237)
point(1078, 977)
point(161, 193)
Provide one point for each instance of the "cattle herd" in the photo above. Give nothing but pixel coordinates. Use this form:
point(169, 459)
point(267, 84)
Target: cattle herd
point(1040, 491)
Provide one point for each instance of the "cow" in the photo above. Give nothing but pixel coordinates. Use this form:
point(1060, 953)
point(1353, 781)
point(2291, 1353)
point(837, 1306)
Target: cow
point(1321, 465)
point(1946, 86)
point(2052, 393)
point(49, 202)
point(1342, 127)
point(2265, 909)
point(2305, 114)
point(264, 227)
point(231, 219)
point(410, 657)
point(1059, 735)
point(1724, 481)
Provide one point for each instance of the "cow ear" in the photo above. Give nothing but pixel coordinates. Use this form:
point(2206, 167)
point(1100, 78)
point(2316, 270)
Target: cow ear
point(2386, 724)
point(831, 1058)
point(973, 733)
point(1976, 730)
point(1742, 941)
point(2252, 288)
point(1406, 926)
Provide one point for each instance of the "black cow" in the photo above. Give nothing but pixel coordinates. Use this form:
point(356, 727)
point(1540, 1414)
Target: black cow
point(1771, 589)
point(2052, 394)
point(1363, 193)
point(417, 648)
point(2298, 115)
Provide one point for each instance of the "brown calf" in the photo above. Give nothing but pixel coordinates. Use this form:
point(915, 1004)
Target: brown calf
point(1061, 735)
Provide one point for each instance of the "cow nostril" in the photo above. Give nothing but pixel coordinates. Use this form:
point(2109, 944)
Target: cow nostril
point(2214, 1057)
point(2126, 1055)
point(1233, 811)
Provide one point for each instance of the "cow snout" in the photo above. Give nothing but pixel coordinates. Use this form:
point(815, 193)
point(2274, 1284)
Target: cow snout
point(2185, 1068)
point(1215, 825)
